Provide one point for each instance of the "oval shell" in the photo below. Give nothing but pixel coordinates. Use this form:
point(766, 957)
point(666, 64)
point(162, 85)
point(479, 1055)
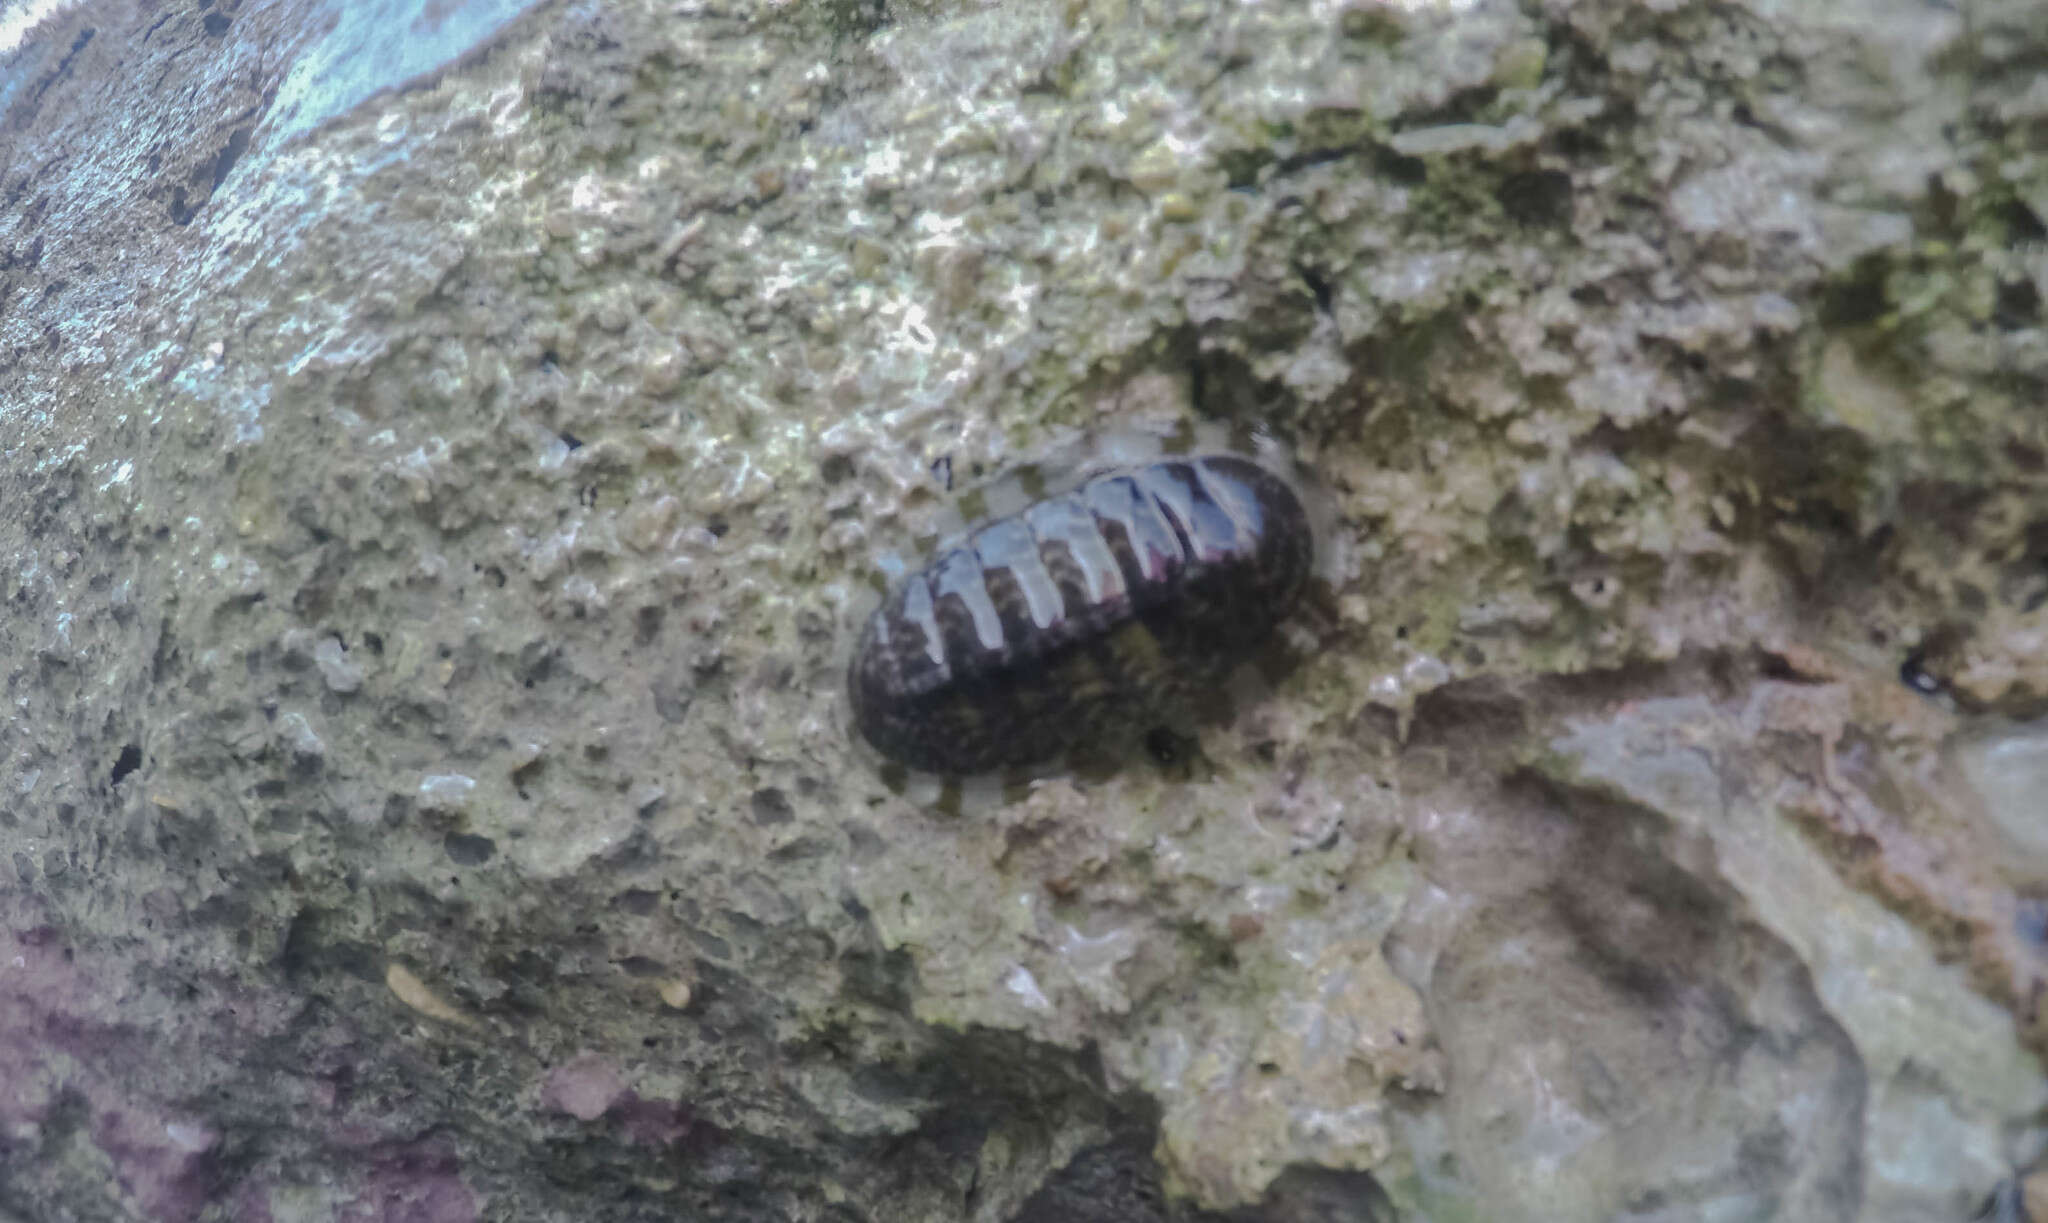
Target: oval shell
point(1071, 621)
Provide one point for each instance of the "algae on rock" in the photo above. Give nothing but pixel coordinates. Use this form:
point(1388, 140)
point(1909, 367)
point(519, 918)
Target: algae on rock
point(433, 517)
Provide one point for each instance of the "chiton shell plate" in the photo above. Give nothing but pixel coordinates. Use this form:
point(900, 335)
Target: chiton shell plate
point(1076, 618)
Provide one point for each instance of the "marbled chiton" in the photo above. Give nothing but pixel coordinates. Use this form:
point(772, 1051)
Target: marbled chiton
point(1072, 621)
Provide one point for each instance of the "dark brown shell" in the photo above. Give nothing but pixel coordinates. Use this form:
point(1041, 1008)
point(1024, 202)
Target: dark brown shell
point(1070, 622)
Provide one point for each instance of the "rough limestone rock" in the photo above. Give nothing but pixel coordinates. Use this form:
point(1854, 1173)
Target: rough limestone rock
point(444, 449)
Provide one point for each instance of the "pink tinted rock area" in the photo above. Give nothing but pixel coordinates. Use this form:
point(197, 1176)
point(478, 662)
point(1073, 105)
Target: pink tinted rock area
point(417, 1182)
point(585, 1087)
point(58, 1038)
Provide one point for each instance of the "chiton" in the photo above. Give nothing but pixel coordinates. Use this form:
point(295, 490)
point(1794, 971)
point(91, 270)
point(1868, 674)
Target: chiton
point(1074, 620)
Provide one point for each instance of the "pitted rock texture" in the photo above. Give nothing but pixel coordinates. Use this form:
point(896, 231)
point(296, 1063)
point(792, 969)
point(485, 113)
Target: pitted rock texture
point(435, 508)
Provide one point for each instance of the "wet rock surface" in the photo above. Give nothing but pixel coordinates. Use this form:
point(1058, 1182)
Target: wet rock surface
point(435, 507)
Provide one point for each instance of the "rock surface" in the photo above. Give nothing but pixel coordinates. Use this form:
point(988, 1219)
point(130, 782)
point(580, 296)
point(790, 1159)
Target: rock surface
point(433, 509)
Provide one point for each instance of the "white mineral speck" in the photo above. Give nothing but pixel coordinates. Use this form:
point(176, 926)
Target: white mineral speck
point(297, 734)
point(189, 1137)
point(446, 791)
point(341, 674)
point(1424, 672)
point(1021, 983)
